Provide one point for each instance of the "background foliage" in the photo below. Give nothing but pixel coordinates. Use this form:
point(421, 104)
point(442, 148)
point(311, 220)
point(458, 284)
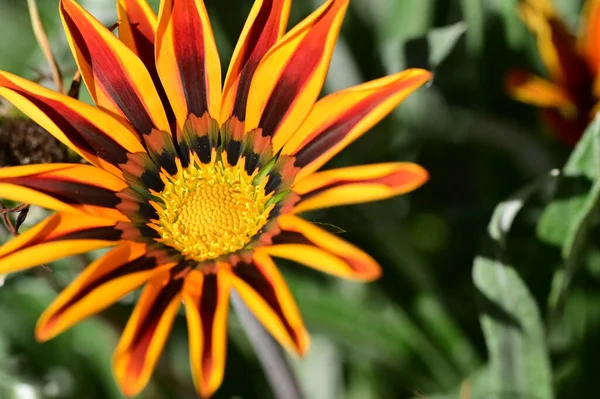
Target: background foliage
point(491, 286)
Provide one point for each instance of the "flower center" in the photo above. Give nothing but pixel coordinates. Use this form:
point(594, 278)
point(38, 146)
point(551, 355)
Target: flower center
point(209, 210)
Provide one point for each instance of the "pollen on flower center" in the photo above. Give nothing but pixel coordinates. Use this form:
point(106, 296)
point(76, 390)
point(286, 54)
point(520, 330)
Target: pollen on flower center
point(209, 210)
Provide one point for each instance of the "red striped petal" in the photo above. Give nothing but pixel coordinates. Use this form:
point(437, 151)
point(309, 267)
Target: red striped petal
point(264, 290)
point(137, 29)
point(101, 284)
point(67, 187)
point(62, 234)
point(540, 92)
point(290, 77)
point(265, 25)
point(116, 78)
point(95, 135)
point(146, 333)
point(357, 184)
point(556, 45)
point(342, 117)
point(206, 299)
point(187, 59)
point(305, 243)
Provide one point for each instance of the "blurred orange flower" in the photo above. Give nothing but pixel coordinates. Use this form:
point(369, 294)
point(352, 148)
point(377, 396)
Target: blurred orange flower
point(569, 96)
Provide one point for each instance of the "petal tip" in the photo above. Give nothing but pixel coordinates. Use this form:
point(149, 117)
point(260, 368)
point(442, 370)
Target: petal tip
point(304, 344)
point(422, 176)
point(367, 271)
point(424, 75)
point(129, 385)
point(44, 329)
point(372, 274)
point(300, 345)
point(206, 391)
point(412, 176)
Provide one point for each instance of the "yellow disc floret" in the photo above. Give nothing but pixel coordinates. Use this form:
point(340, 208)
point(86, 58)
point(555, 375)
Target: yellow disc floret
point(209, 210)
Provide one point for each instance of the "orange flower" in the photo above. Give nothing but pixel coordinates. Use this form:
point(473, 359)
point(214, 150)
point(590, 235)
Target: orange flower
point(570, 95)
point(197, 187)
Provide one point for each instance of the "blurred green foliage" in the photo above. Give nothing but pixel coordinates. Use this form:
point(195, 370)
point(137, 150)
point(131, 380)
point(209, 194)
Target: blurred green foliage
point(467, 308)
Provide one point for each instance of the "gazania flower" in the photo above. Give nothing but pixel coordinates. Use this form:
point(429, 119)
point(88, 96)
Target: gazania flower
point(569, 96)
point(195, 186)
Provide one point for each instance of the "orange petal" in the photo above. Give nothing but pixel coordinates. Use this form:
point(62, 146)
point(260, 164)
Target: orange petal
point(116, 78)
point(305, 243)
point(95, 135)
point(557, 47)
point(534, 90)
point(63, 187)
point(265, 25)
point(357, 184)
point(187, 59)
point(545, 7)
point(267, 295)
point(290, 77)
point(589, 42)
point(590, 34)
point(101, 284)
point(146, 333)
point(342, 117)
point(62, 234)
point(206, 299)
point(137, 28)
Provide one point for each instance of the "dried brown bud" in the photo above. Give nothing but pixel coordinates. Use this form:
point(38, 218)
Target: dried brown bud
point(22, 142)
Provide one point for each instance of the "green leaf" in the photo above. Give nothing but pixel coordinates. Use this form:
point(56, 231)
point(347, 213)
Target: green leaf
point(401, 19)
point(515, 32)
point(568, 219)
point(519, 365)
point(518, 358)
point(474, 387)
point(474, 15)
point(442, 41)
point(578, 189)
point(424, 50)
